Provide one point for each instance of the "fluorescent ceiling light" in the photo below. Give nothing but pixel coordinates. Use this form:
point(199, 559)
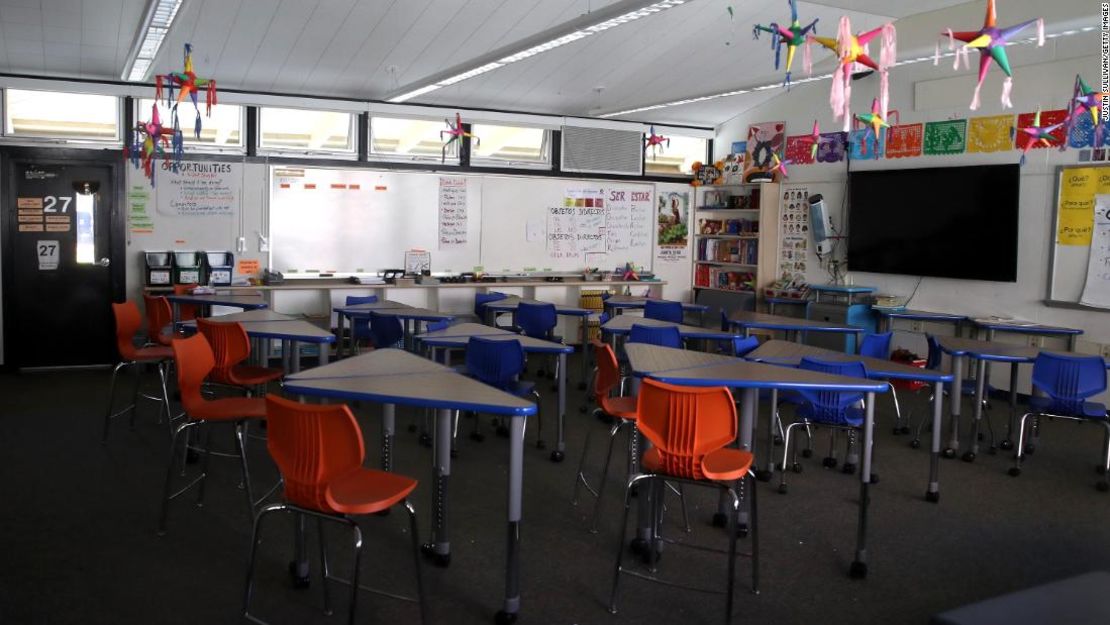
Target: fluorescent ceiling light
point(581, 27)
point(741, 91)
point(155, 26)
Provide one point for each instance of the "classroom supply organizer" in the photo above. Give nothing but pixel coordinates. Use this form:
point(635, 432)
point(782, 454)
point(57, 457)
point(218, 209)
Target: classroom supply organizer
point(733, 253)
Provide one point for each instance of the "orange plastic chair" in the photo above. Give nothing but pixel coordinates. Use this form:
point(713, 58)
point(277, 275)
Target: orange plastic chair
point(159, 315)
point(319, 450)
point(690, 428)
point(232, 347)
point(194, 361)
point(187, 312)
point(128, 322)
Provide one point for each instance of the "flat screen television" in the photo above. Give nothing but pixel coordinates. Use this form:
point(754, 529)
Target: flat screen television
point(949, 222)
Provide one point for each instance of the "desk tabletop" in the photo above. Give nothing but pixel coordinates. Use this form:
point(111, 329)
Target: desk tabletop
point(747, 374)
point(791, 354)
point(919, 315)
point(380, 362)
point(420, 314)
point(529, 344)
point(1021, 327)
point(466, 330)
point(647, 359)
point(751, 319)
point(622, 324)
point(384, 304)
point(441, 390)
point(258, 314)
point(987, 350)
point(290, 330)
point(246, 302)
point(638, 301)
point(510, 303)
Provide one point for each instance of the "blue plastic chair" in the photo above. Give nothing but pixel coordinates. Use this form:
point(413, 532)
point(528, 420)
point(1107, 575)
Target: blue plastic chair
point(480, 301)
point(360, 327)
point(665, 336)
point(385, 330)
point(1067, 381)
point(876, 345)
point(742, 346)
point(838, 410)
point(538, 321)
point(663, 310)
point(499, 363)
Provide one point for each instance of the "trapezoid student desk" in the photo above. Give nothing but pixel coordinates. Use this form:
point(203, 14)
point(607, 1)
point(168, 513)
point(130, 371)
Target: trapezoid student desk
point(358, 311)
point(993, 326)
point(750, 377)
point(291, 331)
point(791, 354)
point(793, 327)
point(459, 338)
point(394, 377)
point(252, 301)
point(407, 316)
point(621, 325)
point(618, 303)
point(888, 315)
point(509, 305)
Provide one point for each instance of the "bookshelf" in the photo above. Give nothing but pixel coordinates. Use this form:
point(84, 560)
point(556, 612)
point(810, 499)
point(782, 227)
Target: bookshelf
point(735, 237)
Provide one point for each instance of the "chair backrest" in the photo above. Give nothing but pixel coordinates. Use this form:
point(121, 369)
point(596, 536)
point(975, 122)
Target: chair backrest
point(608, 371)
point(1069, 379)
point(876, 345)
point(385, 330)
point(361, 299)
point(666, 336)
point(128, 322)
point(742, 346)
point(481, 299)
point(932, 361)
point(187, 312)
point(832, 406)
point(536, 320)
point(312, 445)
point(725, 325)
point(435, 326)
point(685, 423)
point(193, 360)
point(663, 310)
point(230, 346)
point(158, 315)
point(495, 362)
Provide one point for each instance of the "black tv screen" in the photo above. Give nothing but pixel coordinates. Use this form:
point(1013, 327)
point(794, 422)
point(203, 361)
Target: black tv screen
point(949, 222)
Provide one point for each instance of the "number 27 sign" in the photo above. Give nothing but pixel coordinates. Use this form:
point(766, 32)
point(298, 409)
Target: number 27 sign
point(48, 254)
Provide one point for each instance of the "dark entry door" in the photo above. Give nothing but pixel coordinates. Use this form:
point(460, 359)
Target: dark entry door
point(60, 281)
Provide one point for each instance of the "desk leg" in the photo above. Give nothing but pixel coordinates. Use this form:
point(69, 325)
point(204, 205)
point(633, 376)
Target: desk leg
point(439, 549)
point(766, 474)
point(294, 355)
point(298, 568)
point(389, 428)
point(325, 353)
point(954, 401)
point(560, 438)
point(980, 386)
point(1071, 342)
point(585, 346)
point(511, 607)
point(933, 493)
point(286, 358)
point(749, 408)
point(859, 565)
point(340, 321)
point(1008, 442)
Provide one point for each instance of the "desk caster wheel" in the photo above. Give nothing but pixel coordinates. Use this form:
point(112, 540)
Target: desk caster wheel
point(504, 618)
point(858, 570)
point(1102, 486)
point(191, 456)
point(541, 444)
point(915, 443)
point(777, 441)
point(807, 453)
point(581, 386)
point(763, 475)
point(412, 427)
point(299, 582)
point(948, 453)
point(476, 437)
point(782, 489)
point(442, 560)
point(742, 531)
point(1006, 445)
point(829, 462)
point(848, 468)
point(720, 519)
point(969, 456)
point(932, 497)
point(539, 374)
point(558, 456)
point(1014, 471)
point(426, 439)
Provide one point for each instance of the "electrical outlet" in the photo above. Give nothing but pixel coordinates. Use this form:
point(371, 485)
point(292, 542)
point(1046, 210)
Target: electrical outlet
point(1105, 351)
point(1035, 340)
point(917, 326)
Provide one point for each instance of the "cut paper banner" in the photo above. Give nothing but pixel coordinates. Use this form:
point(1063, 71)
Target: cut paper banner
point(990, 134)
point(1082, 133)
point(1048, 118)
point(865, 145)
point(904, 140)
point(947, 137)
point(799, 149)
point(832, 147)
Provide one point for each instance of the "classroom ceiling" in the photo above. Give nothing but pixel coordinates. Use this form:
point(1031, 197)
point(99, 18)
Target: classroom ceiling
point(369, 48)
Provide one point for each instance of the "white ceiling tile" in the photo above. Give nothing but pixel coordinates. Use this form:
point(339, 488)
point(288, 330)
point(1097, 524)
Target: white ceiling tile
point(62, 19)
point(64, 35)
point(21, 15)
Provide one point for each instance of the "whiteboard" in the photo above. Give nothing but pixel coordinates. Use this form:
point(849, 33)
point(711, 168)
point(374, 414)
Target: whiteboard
point(341, 221)
point(1069, 263)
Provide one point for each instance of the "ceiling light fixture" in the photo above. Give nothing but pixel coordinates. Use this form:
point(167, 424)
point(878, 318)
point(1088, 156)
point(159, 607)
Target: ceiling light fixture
point(741, 91)
point(156, 24)
point(580, 27)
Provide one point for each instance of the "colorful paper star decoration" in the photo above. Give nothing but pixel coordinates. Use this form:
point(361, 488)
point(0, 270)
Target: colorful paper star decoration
point(991, 42)
point(814, 138)
point(779, 165)
point(455, 132)
point(148, 142)
point(1037, 134)
point(188, 86)
point(653, 141)
point(852, 50)
point(1084, 100)
point(791, 37)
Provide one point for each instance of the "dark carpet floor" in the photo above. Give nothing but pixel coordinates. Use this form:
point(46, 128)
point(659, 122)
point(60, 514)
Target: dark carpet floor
point(78, 540)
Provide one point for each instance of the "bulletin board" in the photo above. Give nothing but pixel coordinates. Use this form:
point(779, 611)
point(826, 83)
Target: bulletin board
point(1080, 238)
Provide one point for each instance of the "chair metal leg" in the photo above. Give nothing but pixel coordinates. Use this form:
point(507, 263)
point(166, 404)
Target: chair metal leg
point(204, 463)
point(169, 475)
point(325, 571)
point(354, 574)
point(733, 514)
point(620, 542)
point(256, 539)
point(163, 374)
point(1020, 451)
point(605, 474)
point(753, 525)
point(540, 443)
point(685, 512)
point(241, 448)
point(786, 454)
point(417, 561)
point(898, 426)
point(111, 396)
point(580, 476)
point(135, 392)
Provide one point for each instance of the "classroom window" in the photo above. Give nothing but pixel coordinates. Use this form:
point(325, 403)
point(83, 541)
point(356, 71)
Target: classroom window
point(220, 131)
point(302, 130)
point(394, 138)
point(61, 115)
point(86, 228)
point(677, 157)
point(510, 146)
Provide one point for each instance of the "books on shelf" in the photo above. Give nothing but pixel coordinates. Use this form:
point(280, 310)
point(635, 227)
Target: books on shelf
point(713, 199)
point(743, 251)
point(728, 226)
point(707, 276)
